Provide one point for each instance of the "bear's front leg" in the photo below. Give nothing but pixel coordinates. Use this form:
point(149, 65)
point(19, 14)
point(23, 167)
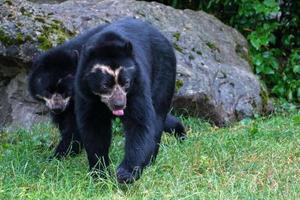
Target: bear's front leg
point(140, 143)
point(95, 132)
point(70, 143)
point(97, 141)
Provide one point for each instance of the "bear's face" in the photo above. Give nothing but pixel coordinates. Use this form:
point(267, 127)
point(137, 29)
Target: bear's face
point(55, 94)
point(107, 70)
point(52, 79)
point(111, 85)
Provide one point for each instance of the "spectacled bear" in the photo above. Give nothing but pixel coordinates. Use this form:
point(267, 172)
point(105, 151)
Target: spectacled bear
point(128, 70)
point(52, 81)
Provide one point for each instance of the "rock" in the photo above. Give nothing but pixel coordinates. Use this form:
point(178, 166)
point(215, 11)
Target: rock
point(215, 80)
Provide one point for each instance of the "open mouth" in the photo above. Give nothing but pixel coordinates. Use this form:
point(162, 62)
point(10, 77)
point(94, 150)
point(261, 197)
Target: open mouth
point(57, 110)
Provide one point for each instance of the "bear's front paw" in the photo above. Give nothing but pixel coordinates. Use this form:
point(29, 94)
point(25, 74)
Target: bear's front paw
point(58, 155)
point(128, 176)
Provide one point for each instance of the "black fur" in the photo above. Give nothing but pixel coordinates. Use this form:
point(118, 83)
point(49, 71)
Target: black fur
point(173, 125)
point(149, 64)
point(53, 72)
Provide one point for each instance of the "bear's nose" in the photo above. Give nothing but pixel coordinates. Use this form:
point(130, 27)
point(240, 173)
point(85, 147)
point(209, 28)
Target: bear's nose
point(118, 104)
point(57, 110)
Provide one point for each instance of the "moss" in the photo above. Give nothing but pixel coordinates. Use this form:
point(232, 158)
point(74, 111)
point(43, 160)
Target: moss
point(8, 2)
point(178, 48)
point(53, 34)
point(44, 42)
point(20, 39)
point(264, 97)
point(28, 38)
point(40, 19)
point(176, 36)
point(191, 57)
point(6, 39)
point(243, 54)
point(178, 85)
point(61, 35)
point(25, 12)
point(197, 51)
point(212, 46)
point(17, 40)
point(18, 24)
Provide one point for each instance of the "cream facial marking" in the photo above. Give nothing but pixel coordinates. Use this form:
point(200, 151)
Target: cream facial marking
point(106, 97)
point(117, 72)
point(55, 100)
point(106, 69)
point(117, 94)
point(116, 98)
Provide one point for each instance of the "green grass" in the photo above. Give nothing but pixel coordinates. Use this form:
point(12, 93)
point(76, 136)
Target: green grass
point(254, 159)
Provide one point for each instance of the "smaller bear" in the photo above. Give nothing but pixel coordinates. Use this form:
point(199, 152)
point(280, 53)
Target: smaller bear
point(51, 81)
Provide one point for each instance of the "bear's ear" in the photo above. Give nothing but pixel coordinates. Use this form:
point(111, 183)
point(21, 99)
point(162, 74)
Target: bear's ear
point(75, 55)
point(128, 47)
point(89, 50)
point(36, 61)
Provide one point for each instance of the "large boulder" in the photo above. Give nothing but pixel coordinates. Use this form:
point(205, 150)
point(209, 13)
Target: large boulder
point(215, 80)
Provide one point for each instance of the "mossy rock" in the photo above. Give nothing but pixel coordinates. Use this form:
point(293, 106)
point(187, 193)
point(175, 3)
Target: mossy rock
point(178, 84)
point(5, 38)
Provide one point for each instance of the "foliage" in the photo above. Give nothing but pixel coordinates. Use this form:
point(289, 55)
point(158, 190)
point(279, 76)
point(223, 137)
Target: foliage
point(272, 28)
point(254, 159)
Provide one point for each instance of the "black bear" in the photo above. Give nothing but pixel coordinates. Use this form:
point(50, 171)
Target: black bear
point(128, 69)
point(51, 81)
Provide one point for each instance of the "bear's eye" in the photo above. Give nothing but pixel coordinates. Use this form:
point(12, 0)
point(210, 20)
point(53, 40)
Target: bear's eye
point(106, 84)
point(46, 94)
point(105, 89)
point(124, 82)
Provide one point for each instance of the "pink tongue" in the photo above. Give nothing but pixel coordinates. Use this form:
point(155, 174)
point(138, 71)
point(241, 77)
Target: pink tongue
point(118, 112)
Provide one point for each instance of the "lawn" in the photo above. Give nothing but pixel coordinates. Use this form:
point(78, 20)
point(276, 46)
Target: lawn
point(254, 159)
